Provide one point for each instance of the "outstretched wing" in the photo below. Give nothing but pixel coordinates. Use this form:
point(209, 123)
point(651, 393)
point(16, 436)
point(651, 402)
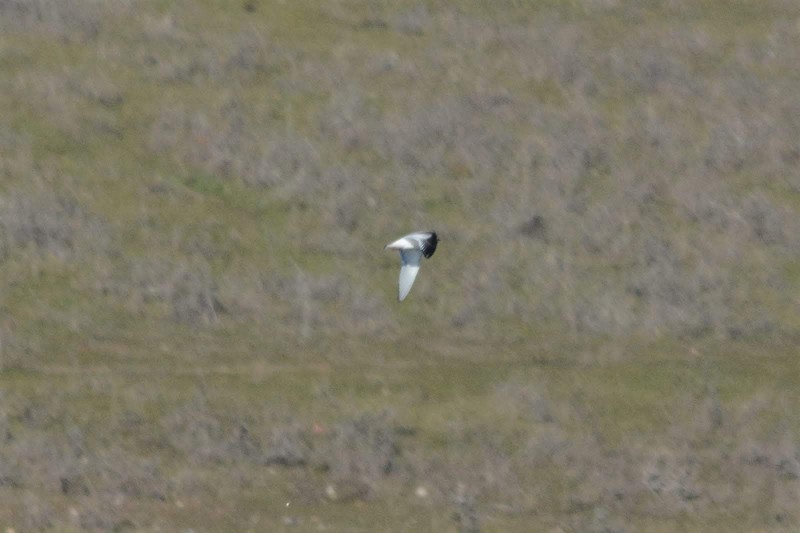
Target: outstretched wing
point(424, 240)
point(408, 272)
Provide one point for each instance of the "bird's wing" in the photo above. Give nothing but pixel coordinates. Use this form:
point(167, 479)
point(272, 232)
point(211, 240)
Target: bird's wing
point(422, 240)
point(408, 272)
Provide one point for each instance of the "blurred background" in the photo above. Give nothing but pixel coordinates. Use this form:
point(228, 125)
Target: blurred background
point(199, 327)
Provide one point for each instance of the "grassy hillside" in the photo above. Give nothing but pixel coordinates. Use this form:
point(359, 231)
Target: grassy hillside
point(199, 327)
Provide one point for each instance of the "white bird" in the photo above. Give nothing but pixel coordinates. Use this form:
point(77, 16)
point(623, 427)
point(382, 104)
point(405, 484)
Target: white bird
point(412, 247)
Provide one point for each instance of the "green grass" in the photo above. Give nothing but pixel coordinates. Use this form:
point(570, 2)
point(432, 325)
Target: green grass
point(171, 320)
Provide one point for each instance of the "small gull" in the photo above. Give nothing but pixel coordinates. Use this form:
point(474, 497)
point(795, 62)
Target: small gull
point(412, 247)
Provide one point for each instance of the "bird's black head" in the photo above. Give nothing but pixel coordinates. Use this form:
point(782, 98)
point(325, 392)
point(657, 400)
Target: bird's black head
point(429, 246)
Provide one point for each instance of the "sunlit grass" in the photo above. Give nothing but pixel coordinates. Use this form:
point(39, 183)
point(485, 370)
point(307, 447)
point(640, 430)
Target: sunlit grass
point(226, 176)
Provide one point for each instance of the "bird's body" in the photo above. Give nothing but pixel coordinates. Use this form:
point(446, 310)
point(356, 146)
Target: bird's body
point(412, 248)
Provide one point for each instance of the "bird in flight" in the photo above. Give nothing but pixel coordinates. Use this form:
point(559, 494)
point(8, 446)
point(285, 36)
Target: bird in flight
point(412, 247)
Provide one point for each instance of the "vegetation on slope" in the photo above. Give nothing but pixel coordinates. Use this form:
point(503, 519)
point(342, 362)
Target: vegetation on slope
point(198, 324)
